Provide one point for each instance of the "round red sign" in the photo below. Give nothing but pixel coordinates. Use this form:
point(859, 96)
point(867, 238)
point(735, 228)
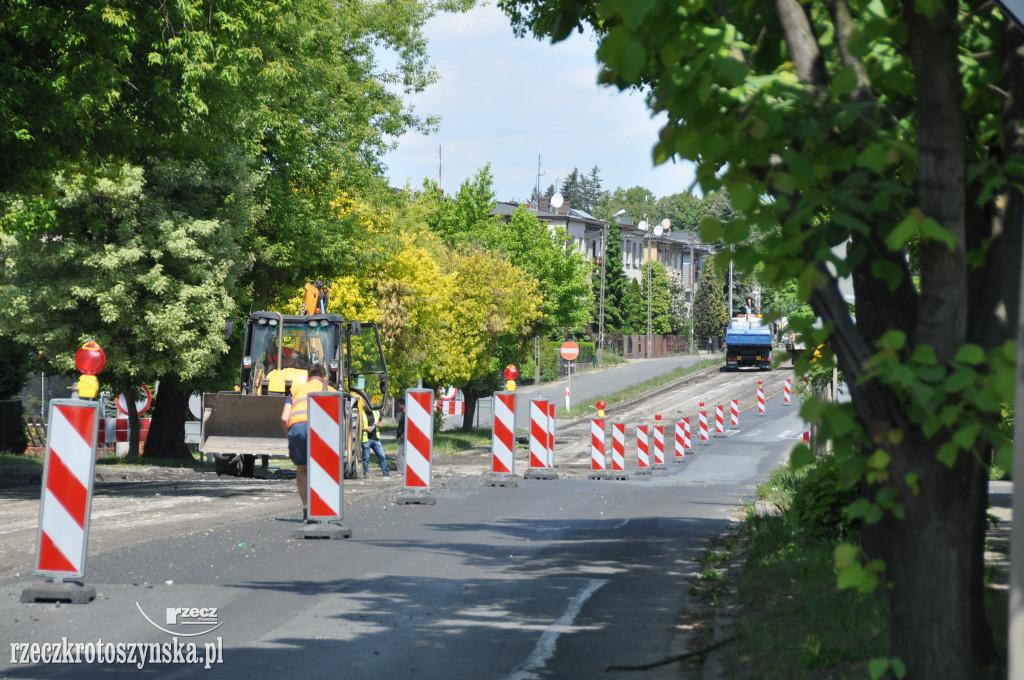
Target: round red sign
point(569, 350)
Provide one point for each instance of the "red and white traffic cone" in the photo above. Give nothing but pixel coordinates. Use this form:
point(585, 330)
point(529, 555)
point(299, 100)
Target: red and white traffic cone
point(419, 444)
point(503, 441)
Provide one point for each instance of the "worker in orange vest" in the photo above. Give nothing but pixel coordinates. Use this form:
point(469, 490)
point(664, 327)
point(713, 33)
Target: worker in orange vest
point(295, 421)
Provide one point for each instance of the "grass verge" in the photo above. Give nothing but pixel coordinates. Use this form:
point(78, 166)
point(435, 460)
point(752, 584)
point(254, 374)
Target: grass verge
point(793, 621)
point(637, 390)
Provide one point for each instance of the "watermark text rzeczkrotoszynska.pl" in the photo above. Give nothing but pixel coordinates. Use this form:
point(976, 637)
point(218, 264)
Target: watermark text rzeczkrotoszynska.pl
point(138, 653)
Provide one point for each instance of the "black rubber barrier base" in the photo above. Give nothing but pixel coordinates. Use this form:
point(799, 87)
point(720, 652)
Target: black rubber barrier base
point(322, 530)
point(64, 591)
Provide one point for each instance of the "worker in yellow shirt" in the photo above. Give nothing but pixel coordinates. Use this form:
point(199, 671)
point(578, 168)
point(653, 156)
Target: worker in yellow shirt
point(295, 421)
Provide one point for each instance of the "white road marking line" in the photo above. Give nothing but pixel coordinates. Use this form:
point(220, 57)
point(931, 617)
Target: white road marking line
point(545, 647)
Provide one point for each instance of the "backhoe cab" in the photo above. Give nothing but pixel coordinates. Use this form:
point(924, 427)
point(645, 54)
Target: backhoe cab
point(277, 352)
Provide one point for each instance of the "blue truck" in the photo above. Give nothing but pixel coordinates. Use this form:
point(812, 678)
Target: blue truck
point(748, 343)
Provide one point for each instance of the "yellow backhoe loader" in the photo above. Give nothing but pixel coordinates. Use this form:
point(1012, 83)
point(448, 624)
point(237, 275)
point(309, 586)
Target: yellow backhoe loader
point(245, 423)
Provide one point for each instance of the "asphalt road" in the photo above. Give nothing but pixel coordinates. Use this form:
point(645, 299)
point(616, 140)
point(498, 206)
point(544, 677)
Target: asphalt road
point(548, 579)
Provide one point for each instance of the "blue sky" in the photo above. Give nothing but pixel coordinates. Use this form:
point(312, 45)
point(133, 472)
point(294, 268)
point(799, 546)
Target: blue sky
point(504, 100)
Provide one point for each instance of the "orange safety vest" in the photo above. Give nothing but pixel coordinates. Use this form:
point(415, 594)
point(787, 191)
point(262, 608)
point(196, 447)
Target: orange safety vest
point(300, 400)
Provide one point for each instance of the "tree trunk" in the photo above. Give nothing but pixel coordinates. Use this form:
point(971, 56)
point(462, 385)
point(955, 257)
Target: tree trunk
point(932, 562)
point(471, 402)
point(167, 429)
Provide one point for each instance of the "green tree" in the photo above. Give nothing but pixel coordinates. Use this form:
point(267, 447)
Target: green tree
point(710, 313)
point(660, 297)
point(574, 189)
point(634, 309)
point(144, 262)
point(636, 201)
point(615, 283)
point(117, 116)
point(685, 210)
point(894, 126)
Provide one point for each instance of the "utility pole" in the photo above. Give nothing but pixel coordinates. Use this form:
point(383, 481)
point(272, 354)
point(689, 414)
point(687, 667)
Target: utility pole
point(693, 293)
point(539, 174)
point(600, 323)
point(730, 289)
point(650, 336)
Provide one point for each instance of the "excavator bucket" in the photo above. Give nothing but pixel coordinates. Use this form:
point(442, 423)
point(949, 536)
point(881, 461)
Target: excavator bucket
point(239, 423)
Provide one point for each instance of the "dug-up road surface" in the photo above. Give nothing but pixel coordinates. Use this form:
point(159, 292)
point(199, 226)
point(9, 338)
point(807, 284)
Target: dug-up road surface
point(132, 506)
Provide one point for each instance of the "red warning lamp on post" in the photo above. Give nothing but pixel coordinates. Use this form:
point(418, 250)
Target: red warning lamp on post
point(511, 373)
point(600, 407)
point(89, 360)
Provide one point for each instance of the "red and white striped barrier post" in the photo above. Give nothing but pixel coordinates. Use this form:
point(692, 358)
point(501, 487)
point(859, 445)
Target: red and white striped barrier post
point(643, 457)
point(686, 435)
point(551, 434)
point(719, 421)
point(419, 444)
point(760, 398)
point(735, 412)
point(451, 408)
point(659, 447)
point(597, 456)
point(324, 486)
point(540, 441)
point(503, 440)
point(619, 449)
point(703, 419)
point(787, 389)
point(66, 501)
point(680, 440)
point(807, 436)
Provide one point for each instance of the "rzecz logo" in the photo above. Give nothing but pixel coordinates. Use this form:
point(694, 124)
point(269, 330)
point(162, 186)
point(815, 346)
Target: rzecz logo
point(185, 619)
